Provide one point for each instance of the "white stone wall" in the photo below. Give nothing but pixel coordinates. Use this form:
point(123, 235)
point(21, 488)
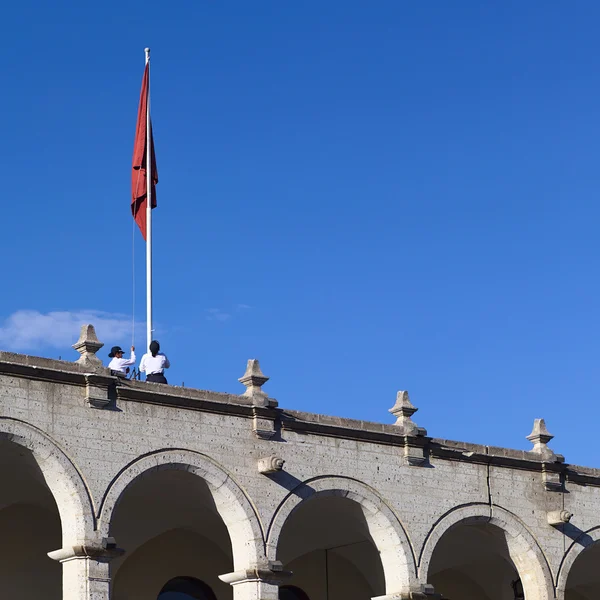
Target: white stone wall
point(89, 456)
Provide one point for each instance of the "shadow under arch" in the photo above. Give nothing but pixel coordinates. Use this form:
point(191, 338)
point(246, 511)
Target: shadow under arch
point(385, 528)
point(525, 552)
point(62, 477)
point(231, 502)
point(581, 543)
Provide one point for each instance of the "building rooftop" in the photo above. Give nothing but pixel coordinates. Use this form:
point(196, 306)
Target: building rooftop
point(89, 371)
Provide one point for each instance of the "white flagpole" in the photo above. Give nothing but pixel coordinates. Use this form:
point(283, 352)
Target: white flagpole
point(148, 214)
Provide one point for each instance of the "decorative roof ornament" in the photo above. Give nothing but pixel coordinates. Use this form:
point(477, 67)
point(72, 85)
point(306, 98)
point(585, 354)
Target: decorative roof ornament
point(539, 437)
point(254, 379)
point(87, 345)
point(404, 410)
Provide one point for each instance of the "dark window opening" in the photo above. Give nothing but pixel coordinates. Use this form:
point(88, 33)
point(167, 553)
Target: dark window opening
point(186, 588)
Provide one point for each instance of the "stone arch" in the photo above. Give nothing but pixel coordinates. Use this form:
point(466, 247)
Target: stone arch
point(384, 526)
point(525, 552)
point(61, 476)
point(233, 505)
point(585, 540)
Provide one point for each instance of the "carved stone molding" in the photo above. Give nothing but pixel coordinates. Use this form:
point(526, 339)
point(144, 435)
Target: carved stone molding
point(270, 464)
point(103, 553)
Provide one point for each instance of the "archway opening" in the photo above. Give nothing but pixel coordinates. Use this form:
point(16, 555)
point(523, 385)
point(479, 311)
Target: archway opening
point(31, 527)
point(326, 543)
point(292, 592)
point(472, 560)
point(167, 522)
point(186, 588)
point(583, 582)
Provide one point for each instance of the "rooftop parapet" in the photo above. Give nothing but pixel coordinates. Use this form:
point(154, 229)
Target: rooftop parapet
point(270, 422)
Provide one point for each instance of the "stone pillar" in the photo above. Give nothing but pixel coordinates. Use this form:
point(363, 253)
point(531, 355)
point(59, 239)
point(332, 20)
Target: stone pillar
point(85, 571)
point(255, 589)
point(257, 583)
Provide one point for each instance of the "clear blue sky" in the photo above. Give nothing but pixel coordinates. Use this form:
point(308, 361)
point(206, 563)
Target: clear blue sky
point(366, 196)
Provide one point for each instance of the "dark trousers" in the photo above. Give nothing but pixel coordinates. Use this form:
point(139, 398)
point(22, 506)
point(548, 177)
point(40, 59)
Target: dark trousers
point(156, 378)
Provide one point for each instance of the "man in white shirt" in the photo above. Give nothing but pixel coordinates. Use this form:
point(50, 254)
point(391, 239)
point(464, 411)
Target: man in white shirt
point(154, 364)
point(119, 365)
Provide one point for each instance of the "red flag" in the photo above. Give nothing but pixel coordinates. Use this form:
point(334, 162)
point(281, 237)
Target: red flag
point(139, 175)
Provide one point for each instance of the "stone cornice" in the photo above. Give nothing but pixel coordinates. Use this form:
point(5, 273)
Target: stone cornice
point(69, 373)
point(190, 398)
point(46, 369)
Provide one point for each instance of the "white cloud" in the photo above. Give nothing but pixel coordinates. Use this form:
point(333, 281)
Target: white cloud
point(31, 329)
point(216, 314)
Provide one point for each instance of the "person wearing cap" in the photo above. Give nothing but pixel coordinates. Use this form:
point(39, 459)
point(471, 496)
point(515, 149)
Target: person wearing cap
point(119, 365)
point(154, 363)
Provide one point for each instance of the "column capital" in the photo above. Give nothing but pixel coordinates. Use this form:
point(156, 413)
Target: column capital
point(104, 553)
point(271, 572)
point(86, 574)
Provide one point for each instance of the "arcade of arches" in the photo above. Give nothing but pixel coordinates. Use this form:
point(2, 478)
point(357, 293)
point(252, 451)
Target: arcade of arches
point(178, 545)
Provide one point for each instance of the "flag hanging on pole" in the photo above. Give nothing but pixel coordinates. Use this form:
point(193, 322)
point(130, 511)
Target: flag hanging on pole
point(139, 186)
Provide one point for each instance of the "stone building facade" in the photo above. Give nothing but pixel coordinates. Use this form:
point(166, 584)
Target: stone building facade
point(128, 490)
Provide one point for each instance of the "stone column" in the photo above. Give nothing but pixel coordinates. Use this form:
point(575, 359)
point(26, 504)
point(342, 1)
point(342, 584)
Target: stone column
point(85, 571)
point(257, 583)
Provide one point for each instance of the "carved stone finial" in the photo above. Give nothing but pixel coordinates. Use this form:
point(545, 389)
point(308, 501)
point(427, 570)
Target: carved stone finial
point(254, 379)
point(87, 345)
point(404, 410)
point(539, 437)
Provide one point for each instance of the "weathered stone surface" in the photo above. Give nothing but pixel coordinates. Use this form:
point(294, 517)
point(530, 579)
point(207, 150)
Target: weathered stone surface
point(90, 458)
point(254, 379)
point(403, 410)
point(87, 345)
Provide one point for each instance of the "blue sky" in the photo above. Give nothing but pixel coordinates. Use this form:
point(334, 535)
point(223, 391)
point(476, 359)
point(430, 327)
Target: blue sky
point(365, 196)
